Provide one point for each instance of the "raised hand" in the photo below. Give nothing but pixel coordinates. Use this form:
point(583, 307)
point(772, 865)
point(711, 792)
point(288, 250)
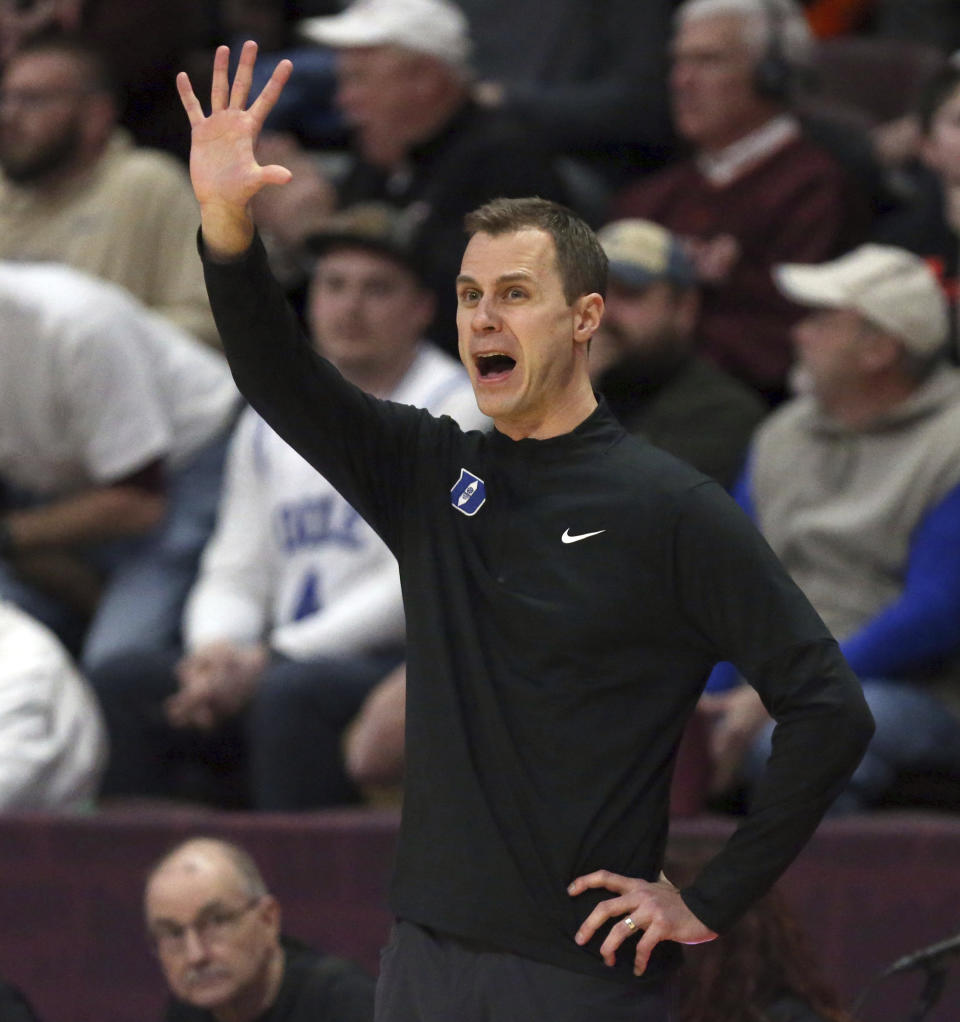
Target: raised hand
point(223, 167)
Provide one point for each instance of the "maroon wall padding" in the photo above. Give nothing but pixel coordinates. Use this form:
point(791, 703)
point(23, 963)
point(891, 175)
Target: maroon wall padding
point(868, 890)
point(71, 925)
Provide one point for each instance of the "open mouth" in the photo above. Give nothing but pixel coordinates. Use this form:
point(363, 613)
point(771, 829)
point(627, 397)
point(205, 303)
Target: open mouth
point(494, 366)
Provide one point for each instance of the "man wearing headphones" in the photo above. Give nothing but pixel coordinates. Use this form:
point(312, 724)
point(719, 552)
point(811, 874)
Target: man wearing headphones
point(756, 189)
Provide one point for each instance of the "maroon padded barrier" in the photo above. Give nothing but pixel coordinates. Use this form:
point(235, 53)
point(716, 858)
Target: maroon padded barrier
point(868, 889)
point(71, 926)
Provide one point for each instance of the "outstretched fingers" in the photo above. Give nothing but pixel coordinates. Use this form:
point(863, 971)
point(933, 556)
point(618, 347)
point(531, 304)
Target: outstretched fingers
point(224, 95)
point(189, 99)
point(220, 84)
point(275, 174)
point(243, 78)
point(270, 93)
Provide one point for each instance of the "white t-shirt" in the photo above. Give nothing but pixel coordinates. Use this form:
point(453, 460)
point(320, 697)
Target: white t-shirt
point(52, 739)
point(94, 386)
point(290, 560)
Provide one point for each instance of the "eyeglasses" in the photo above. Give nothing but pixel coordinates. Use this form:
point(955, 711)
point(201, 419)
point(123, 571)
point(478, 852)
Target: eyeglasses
point(34, 99)
point(211, 925)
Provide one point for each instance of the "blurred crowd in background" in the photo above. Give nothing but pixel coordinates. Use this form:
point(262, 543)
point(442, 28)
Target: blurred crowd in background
point(191, 613)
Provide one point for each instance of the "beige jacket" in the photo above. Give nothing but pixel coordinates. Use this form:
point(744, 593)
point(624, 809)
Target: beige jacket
point(839, 506)
point(131, 219)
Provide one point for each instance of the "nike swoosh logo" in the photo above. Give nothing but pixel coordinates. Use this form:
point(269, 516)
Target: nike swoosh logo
point(567, 538)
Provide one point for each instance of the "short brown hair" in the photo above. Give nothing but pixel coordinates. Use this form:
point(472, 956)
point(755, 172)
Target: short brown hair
point(581, 262)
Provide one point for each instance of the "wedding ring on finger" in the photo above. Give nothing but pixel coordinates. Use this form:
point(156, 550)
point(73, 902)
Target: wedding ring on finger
point(629, 924)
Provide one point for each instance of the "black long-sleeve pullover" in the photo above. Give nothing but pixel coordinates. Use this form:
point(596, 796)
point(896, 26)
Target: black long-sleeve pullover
point(565, 601)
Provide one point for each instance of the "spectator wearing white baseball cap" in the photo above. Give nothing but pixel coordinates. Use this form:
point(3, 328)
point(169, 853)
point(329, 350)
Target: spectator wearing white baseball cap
point(419, 141)
point(855, 483)
point(434, 27)
point(892, 289)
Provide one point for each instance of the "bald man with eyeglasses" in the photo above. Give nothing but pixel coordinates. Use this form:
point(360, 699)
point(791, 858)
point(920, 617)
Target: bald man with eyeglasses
point(216, 931)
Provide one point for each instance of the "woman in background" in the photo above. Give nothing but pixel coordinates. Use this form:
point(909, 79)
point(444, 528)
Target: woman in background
point(761, 970)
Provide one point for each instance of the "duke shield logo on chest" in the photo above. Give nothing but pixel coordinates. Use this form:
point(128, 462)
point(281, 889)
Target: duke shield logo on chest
point(468, 493)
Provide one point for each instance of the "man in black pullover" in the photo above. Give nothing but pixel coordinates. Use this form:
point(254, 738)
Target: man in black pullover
point(567, 591)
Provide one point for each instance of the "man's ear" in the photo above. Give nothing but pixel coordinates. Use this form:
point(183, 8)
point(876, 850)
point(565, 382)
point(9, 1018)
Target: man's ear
point(588, 311)
point(270, 909)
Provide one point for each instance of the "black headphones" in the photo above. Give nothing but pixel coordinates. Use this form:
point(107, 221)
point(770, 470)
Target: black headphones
point(774, 76)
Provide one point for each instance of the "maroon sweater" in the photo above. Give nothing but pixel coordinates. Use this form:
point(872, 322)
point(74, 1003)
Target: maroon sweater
point(798, 205)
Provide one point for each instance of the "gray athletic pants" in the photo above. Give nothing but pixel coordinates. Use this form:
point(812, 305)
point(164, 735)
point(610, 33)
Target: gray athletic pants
point(430, 977)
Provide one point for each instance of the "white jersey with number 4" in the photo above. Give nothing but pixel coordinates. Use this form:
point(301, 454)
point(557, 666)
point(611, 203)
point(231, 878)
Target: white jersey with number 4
point(291, 562)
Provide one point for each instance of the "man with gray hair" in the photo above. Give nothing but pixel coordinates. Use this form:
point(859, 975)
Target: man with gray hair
point(856, 486)
point(756, 190)
point(216, 931)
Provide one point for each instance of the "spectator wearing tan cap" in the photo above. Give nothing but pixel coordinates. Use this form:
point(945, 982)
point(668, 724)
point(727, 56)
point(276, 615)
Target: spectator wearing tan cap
point(644, 359)
point(420, 142)
point(856, 486)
